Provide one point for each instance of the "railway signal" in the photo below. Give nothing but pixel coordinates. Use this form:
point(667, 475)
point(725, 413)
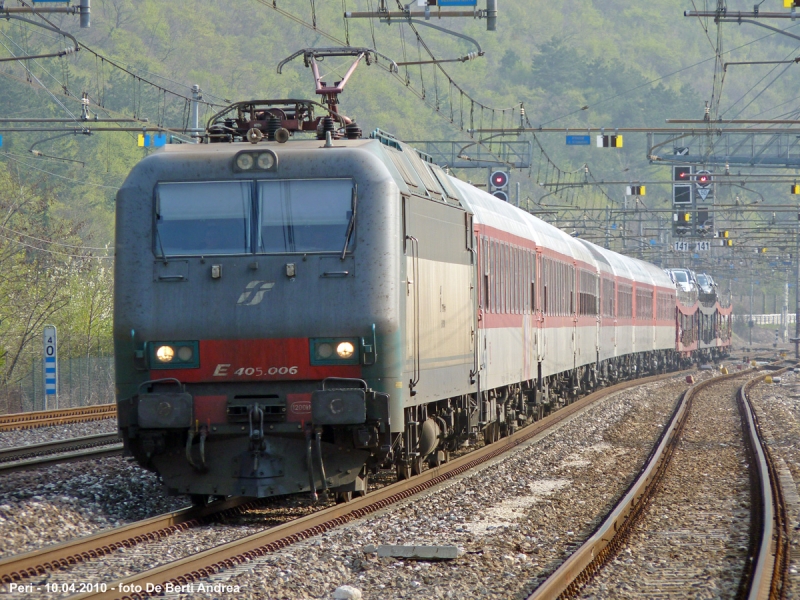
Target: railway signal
point(609, 141)
point(682, 223)
point(703, 184)
point(681, 192)
point(636, 190)
point(498, 185)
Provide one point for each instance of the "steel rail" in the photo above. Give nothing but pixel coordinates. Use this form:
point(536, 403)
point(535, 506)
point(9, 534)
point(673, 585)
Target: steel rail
point(608, 539)
point(44, 418)
point(610, 536)
point(228, 555)
point(770, 539)
point(65, 554)
point(97, 450)
point(45, 448)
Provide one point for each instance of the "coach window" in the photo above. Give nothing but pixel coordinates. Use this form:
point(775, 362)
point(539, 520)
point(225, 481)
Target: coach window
point(533, 282)
point(514, 280)
point(495, 275)
point(202, 218)
point(305, 215)
point(526, 273)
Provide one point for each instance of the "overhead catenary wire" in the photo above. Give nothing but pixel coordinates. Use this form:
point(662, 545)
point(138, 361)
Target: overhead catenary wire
point(63, 244)
point(83, 256)
point(35, 168)
point(661, 78)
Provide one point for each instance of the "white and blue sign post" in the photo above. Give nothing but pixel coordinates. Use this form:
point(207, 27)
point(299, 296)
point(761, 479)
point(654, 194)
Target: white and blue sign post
point(50, 367)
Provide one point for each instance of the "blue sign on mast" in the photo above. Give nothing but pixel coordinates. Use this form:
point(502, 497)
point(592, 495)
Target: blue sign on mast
point(579, 140)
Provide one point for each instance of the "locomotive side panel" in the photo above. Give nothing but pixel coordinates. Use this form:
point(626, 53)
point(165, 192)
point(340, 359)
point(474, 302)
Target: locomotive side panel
point(439, 300)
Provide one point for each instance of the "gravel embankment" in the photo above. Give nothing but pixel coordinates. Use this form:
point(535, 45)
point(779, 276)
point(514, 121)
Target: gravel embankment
point(516, 520)
point(59, 503)
point(693, 540)
point(40, 435)
point(778, 408)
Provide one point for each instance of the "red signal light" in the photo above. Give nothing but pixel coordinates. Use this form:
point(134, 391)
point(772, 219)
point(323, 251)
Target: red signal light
point(499, 179)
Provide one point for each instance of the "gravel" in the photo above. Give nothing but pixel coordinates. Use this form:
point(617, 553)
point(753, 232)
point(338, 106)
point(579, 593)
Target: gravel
point(39, 435)
point(778, 408)
point(61, 502)
point(515, 519)
point(693, 540)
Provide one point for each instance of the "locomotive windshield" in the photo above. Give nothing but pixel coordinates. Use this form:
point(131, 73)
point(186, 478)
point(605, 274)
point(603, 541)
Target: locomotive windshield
point(303, 215)
point(215, 217)
point(203, 218)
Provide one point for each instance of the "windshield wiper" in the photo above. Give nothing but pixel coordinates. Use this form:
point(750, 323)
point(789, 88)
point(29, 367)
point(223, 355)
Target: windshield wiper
point(352, 223)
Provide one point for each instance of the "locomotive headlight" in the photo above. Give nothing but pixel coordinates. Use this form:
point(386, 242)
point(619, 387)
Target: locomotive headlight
point(165, 354)
point(334, 351)
point(171, 354)
point(244, 161)
point(266, 160)
point(345, 350)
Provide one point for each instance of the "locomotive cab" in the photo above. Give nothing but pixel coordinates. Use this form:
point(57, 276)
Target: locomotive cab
point(255, 287)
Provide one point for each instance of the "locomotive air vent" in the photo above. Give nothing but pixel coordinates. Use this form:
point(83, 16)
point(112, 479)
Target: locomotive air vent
point(274, 407)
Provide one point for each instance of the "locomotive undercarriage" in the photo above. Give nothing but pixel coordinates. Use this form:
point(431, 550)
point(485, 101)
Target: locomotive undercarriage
point(435, 430)
point(256, 454)
point(252, 449)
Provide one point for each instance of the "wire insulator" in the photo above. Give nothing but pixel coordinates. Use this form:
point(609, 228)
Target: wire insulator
point(352, 131)
point(326, 124)
point(273, 124)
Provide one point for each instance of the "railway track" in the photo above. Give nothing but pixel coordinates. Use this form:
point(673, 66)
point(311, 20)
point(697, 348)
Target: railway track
point(37, 562)
point(229, 555)
point(34, 456)
point(672, 547)
point(46, 418)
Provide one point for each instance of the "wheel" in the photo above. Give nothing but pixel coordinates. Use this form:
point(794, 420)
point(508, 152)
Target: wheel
point(403, 471)
point(365, 491)
point(343, 497)
point(438, 458)
point(199, 499)
point(416, 465)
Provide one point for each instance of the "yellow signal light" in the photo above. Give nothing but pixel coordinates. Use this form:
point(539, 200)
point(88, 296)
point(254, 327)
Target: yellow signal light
point(725, 234)
point(642, 190)
point(795, 189)
point(687, 217)
point(729, 242)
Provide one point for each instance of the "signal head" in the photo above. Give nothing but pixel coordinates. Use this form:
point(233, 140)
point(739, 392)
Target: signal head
point(501, 195)
point(499, 179)
point(703, 179)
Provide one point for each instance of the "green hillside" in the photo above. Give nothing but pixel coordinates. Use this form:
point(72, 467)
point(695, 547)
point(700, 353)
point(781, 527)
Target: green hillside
point(571, 64)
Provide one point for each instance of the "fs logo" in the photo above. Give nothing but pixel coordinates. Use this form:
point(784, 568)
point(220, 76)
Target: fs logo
point(254, 292)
